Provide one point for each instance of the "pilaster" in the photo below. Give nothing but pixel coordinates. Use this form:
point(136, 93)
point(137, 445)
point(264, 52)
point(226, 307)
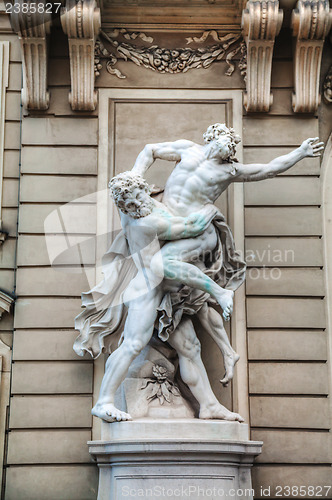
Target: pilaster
point(4, 67)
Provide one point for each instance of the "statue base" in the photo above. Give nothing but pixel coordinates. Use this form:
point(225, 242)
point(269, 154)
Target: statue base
point(174, 459)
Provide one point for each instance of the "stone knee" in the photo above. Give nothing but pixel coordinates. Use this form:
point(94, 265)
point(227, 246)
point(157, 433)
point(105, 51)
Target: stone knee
point(133, 347)
point(164, 266)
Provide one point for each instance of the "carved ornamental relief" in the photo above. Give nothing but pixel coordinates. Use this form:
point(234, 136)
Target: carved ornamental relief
point(166, 60)
point(327, 86)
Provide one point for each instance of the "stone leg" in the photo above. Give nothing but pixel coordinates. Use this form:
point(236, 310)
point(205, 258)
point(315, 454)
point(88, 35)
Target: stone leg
point(137, 333)
point(212, 322)
point(174, 262)
point(193, 373)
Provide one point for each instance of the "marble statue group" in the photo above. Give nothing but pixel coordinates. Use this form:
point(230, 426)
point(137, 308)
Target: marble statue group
point(174, 261)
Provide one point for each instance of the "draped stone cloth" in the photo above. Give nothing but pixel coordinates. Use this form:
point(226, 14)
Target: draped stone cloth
point(104, 312)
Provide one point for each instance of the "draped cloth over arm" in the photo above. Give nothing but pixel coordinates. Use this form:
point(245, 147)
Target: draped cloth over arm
point(104, 311)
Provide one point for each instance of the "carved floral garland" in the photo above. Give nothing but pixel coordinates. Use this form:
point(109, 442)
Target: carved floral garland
point(166, 60)
point(327, 86)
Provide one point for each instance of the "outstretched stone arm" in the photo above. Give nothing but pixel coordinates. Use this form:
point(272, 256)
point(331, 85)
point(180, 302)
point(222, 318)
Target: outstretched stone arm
point(258, 172)
point(178, 228)
point(164, 150)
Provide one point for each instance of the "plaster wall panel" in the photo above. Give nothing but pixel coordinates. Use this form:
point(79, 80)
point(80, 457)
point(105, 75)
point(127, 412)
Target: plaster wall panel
point(51, 281)
point(283, 191)
point(278, 130)
point(13, 135)
point(288, 378)
point(9, 221)
point(81, 482)
point(292, 475)
point(60, 160)
point(264, 154)
point(10, 193)
point(53, 411)
point(53, 345)
point(15, 77)
point(283, 221)
point(286, 282)
point(48, 447)
point(77, 218)
point(59, 73)
point(282, 74)
point(284, 252)
point(15, 50)
point(11, 163)
point(59, 104)
point(287, 345)
point(51, 188)
point(52, 377)
point(33, 250)
point(59, 131)
point(13, 106)
point(7, 280)
point(35, 312)
point(282, 102)
point(4, 23)
point(286, 312)
point(300, 412)
point(7, 257)
point(293, 446)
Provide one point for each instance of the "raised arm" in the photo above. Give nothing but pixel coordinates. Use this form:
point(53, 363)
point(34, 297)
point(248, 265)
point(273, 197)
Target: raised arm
point(257, 172)
point(164, 150)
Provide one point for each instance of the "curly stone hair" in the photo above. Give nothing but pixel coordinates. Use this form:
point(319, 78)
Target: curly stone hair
point(123, 185)
point(215, 131)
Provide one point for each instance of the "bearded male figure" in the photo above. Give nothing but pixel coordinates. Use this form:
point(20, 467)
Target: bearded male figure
point(202, 173)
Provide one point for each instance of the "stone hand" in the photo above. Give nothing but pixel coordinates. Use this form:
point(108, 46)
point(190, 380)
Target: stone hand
point(310, 147)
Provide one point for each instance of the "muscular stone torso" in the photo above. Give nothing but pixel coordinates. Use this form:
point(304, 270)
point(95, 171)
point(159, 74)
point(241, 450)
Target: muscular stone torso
point(195, 182)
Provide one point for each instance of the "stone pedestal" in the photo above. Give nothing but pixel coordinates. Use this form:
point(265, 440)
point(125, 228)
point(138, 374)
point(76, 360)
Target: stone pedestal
point(173, 459)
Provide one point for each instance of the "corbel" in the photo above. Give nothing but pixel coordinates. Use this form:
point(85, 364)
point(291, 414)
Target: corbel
point(81, 22)
point(32, 29)
point(311, 22)
point(261, 23)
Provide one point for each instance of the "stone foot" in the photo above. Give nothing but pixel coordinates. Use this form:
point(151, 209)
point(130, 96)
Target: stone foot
point(109, 413)
point(218, 411)
point(226, 303)
point(229, 361)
